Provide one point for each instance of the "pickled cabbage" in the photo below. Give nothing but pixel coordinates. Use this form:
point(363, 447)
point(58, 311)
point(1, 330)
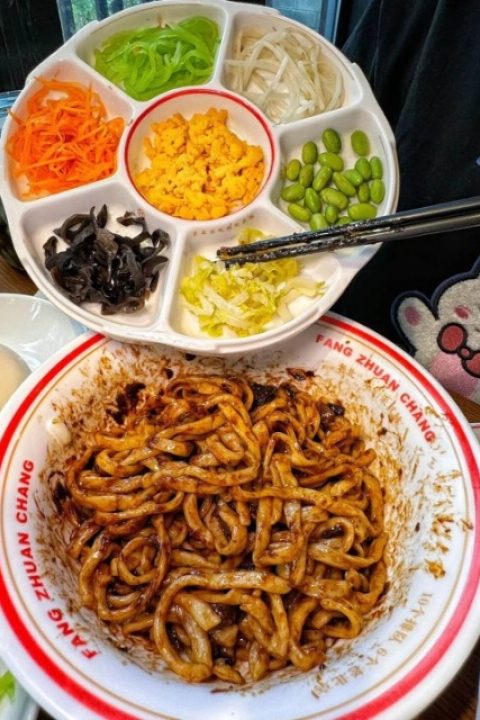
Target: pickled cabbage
point(244, 299)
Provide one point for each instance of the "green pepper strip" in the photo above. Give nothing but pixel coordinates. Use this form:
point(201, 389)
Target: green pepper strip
point(148, 61)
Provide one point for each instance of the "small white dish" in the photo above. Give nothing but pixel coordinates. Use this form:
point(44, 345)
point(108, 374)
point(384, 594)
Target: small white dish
point(33, 328)
point(22, 707)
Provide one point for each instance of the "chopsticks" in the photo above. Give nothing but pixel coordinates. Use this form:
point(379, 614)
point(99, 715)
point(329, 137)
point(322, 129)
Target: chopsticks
point(454, 215)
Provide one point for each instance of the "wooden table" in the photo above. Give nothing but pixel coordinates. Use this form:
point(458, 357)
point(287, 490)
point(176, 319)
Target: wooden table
point(459, 700)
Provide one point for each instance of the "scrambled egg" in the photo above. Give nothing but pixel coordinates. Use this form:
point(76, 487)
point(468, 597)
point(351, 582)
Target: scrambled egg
point(199, 169)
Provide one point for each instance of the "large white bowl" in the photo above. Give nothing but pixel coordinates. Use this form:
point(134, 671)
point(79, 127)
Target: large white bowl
point(164, 319)
point(428, 462)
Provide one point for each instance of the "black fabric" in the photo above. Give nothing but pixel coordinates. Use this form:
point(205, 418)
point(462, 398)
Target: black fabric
point(422, 59)
point(29, 31)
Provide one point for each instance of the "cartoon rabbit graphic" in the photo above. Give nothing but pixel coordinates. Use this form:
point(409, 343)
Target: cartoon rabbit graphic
point(443, 333)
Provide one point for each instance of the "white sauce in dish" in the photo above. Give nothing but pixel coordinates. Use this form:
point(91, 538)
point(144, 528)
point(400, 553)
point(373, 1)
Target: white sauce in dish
point(13, 371)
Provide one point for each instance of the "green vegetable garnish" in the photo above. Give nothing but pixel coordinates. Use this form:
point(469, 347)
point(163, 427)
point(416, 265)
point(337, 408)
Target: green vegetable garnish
point(244, 299)
point(148, 61)
point(7, 686)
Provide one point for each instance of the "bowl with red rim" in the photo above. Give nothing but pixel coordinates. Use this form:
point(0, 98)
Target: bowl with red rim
point(414, 642)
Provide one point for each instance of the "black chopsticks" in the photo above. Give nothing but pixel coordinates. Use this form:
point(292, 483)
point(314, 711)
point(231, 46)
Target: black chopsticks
point(454, 215)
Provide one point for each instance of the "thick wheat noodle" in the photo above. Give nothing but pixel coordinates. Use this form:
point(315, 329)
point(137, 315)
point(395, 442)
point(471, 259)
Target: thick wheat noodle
point(232, 537)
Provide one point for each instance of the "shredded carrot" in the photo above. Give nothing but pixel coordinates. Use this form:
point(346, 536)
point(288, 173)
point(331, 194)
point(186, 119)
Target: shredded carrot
point(65, 139)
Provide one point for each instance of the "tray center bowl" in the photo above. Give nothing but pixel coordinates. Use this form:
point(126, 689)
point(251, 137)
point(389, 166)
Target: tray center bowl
point(243, 119)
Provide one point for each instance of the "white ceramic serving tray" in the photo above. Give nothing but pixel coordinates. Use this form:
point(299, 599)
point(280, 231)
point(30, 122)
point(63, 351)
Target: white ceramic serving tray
point(164, 320)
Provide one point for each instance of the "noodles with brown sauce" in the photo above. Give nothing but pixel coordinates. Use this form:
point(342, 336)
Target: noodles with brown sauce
point(233, 527)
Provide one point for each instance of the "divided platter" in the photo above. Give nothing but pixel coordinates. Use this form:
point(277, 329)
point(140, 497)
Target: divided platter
point(164, 319)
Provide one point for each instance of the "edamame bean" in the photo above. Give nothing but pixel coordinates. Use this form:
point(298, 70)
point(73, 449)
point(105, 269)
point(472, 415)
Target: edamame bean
point(306, 175)
point(331, 160)
point(331, 214)
point(363, 192)
point(322, 178)
point(309, 153)
point(331, 184)
point(318, 222)
point(343, 184)
point(354, 176)
point(293, 169)
point(312, 201)
point(377, 168)
point(362, 211)
point(363, 167)
point(302, 214)
point(293, 192)
point(377, 191)
point(330, 196)
point(331, 140)
point(360, 142)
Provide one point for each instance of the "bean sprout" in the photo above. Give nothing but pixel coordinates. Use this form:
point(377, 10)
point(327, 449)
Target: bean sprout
point(285, 73)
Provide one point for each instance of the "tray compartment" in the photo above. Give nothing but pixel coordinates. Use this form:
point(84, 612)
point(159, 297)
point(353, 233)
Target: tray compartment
point(344, 122)
point(68, 70)
point(37, 226)
point(265, 22)
point(147, 15)
point(205, 242)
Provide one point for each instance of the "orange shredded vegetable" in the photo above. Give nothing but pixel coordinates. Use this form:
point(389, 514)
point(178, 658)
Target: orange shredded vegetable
point(65, 139)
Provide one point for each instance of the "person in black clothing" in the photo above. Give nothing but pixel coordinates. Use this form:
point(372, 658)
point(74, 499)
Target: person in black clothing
point(422, 60)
